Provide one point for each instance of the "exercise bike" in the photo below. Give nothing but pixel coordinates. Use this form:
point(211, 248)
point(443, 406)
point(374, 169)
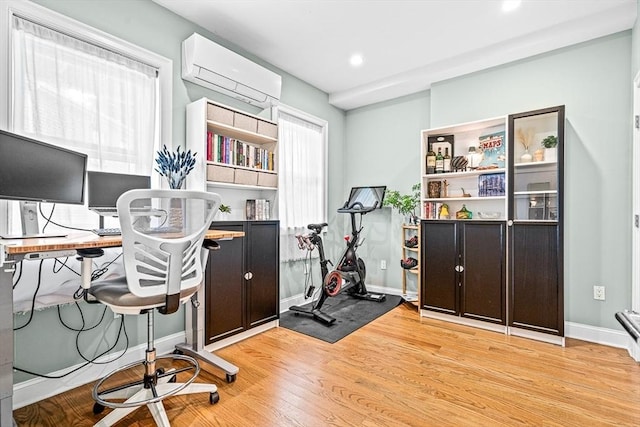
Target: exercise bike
point(350, 272)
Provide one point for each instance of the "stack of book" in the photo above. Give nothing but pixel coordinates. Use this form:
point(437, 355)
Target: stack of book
point(258, 209)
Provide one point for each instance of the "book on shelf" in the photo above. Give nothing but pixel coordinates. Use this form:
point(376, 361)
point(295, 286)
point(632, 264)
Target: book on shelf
point(493, 150)
point(434, 210)
point(234, 152)
point(491, 184)
point(258, 209)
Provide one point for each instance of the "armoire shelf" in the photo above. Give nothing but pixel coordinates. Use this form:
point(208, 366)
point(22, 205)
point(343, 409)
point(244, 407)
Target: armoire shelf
point(408, 231)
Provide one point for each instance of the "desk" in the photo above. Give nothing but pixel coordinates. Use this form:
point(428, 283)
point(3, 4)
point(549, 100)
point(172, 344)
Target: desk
point(14, 250)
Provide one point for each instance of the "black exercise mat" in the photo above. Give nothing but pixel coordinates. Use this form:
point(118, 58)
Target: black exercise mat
point(350, 314)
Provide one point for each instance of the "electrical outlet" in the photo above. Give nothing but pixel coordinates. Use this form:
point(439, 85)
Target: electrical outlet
point(598, 293)
point(383, 264)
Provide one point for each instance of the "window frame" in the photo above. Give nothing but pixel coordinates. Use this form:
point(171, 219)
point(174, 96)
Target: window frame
point(67, 25)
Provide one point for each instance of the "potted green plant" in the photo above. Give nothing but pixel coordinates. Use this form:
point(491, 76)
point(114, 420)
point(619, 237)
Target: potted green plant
point(550, 144)
point(225, 211)
point(405, 204)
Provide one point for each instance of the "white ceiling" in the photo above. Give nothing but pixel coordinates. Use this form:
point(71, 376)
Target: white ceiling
point(407, 44)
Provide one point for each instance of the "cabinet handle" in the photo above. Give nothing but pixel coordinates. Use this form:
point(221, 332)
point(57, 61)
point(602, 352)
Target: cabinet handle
point(459, 268)
point(248, 275)
point(510, 222)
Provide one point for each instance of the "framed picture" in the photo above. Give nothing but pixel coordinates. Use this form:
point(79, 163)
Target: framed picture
point(493, 149)
point(434, 189)
point(442, 142)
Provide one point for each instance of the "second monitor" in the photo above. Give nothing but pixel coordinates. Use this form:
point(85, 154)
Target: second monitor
point(104, 188)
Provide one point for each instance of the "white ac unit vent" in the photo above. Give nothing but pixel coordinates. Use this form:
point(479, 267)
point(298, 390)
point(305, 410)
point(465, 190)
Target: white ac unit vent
point(213, 66)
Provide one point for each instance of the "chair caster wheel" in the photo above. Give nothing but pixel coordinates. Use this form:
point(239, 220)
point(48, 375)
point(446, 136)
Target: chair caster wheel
point(176, 351)
point(214, 397)
point(97, 408)
point(231, 378)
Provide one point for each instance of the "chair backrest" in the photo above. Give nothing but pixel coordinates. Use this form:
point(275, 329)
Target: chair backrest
point(162, 236)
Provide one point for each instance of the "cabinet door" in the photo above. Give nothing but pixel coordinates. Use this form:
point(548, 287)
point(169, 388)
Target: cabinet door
point(536, 285)
point(263, 263)
point(536, 203)
point(482, 245)
point(224, 287)
point(438, 261)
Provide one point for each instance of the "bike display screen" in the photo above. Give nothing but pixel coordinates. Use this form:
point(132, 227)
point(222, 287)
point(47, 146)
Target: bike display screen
point(366, 197)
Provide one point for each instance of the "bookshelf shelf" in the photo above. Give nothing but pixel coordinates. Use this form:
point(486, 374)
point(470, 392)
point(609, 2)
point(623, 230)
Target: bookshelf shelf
point(234, 146)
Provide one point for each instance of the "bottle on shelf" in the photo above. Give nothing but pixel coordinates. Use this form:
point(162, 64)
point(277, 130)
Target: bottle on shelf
point(446, 166)
point(431, 161)
point(439, 161)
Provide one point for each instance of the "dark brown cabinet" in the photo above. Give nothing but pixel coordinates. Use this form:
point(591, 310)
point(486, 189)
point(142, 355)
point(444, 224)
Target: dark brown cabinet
point(463, 268)
point(536, 302)
point(536, 283)
point(242, 280)
point(500, 261)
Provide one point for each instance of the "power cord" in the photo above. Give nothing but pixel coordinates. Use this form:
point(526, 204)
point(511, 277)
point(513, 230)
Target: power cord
point(88, 361)
point(19, 275)
point(49, 220)
point(96, 274)
point(33, 299)
point(57, 261)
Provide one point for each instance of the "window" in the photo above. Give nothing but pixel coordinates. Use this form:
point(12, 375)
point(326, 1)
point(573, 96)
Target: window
point(74, 86)
point(302, 177)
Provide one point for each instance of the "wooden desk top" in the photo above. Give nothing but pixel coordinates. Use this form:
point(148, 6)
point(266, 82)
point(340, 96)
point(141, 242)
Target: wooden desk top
point(81, 240)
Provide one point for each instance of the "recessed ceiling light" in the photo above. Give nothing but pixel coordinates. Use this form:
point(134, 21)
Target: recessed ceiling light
point(356, 60)
point(509, 5)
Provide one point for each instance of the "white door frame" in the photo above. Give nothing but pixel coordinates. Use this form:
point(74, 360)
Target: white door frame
point(632, 347)
point(635, 186)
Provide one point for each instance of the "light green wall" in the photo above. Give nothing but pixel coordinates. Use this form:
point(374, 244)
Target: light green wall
point(150, 26)
point(383, 148)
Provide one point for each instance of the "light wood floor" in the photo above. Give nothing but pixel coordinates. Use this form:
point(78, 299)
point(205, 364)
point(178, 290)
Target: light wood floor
point(399, 370)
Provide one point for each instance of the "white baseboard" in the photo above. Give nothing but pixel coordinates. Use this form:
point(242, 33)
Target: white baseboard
point(34, 390)
point(596, 334)
point(242, 336)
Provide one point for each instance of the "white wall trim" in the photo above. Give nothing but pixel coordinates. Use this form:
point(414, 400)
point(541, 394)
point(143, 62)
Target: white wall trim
point(595, 334)
point(34, 390)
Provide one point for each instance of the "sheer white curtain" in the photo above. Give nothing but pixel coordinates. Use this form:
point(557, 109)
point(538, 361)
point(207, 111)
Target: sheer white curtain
point(301, 178)
point(84, 97)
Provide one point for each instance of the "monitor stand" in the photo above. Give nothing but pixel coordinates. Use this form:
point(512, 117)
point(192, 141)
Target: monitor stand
point(30, 227)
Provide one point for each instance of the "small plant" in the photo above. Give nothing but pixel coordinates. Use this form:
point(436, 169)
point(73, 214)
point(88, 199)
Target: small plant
point(224, 208)
point(175, 166)
point(405, 203)
point(550, 142)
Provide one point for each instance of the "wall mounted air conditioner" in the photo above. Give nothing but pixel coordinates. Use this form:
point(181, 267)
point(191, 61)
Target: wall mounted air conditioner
point(210, 65)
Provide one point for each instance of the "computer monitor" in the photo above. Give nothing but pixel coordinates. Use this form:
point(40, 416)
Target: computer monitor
point(104, 188)
point(33, 171)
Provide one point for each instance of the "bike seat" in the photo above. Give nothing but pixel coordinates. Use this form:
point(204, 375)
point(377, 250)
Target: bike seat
point(317, 227)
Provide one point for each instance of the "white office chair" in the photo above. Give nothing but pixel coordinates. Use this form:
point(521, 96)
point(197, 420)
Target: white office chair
point(164, 262)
